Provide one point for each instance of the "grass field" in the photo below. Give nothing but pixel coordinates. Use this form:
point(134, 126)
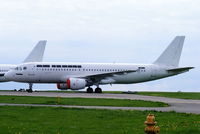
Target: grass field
point(79, 101)
point(181, 95)
point(44, 120)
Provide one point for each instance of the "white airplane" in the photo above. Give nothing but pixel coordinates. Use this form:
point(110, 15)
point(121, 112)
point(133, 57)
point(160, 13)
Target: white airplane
point(77, 76)
point(36, 55)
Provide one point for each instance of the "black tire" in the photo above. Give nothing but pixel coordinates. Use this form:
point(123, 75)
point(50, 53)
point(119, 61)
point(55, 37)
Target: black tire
point(89, 90)
point(29, 90)
point(98, 90)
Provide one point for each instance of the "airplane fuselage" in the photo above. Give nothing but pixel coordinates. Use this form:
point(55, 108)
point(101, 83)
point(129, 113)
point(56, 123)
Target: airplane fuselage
point(4, 68)
point(60, 72)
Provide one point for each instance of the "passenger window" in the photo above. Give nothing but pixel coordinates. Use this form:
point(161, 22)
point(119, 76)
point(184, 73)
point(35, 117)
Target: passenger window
point(64, 66)
point(39, 65)
point(46, 65)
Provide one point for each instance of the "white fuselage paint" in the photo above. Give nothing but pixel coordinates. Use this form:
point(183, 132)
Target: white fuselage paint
point(4, 68)
point(30, 73)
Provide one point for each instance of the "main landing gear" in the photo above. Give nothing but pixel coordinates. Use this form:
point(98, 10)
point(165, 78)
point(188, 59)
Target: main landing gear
point(30, 90)
point(89, 90)
point(97, 90)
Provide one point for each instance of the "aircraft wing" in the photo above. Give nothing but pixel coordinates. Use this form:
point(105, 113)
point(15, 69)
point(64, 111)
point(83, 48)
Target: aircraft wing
point(182, 69)
point(98, 77)
point(37, 53)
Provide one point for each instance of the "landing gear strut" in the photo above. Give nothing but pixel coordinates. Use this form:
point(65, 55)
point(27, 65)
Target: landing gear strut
point(30, 90)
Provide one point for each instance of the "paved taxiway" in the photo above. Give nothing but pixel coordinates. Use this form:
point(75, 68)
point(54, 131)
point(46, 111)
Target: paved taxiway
point(178, 105)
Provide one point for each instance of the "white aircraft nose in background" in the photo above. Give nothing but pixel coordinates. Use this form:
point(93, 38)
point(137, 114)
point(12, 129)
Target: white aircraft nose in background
point(36, 55)
point(9, 75)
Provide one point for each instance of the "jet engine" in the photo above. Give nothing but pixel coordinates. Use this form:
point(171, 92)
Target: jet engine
point(73, 84)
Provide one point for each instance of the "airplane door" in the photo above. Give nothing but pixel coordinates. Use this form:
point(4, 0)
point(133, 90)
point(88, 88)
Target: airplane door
point(31, 73)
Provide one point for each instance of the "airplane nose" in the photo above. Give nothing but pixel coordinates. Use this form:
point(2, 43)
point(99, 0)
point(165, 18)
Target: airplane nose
point(9, 76)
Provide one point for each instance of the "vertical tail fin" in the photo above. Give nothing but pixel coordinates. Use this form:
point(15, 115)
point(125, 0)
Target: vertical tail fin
point(37, 53)
point(171, 56)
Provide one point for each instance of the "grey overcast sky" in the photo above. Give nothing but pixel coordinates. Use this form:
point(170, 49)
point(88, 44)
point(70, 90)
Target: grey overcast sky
point(132, 31)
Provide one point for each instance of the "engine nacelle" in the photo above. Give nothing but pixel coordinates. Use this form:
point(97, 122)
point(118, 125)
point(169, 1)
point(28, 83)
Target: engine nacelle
point(73, 84)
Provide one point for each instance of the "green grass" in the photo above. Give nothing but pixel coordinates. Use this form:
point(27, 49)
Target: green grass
point(79, 101)
point(181, 95)
point(46, 120)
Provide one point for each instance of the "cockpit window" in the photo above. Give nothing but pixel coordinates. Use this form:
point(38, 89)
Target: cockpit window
point(24, 68)
point(18, 68)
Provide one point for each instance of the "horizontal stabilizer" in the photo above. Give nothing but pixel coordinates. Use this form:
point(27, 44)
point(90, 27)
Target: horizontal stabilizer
point(183, 69)
point(37, 53)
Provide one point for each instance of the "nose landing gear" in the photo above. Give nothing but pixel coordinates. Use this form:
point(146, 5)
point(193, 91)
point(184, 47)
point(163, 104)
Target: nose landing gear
point(30, 90)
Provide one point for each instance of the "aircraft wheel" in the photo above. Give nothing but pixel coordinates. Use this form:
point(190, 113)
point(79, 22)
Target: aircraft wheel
point(29, 90)
point(89, 90)
point(98, 90)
